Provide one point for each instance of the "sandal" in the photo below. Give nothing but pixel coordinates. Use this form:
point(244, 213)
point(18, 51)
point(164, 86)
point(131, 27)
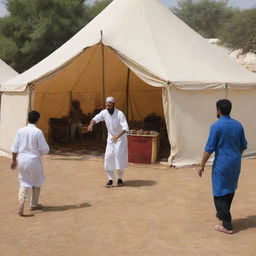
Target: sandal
point(39, 207)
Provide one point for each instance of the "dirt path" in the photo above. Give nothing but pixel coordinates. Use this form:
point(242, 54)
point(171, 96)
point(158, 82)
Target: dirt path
point(160, 211)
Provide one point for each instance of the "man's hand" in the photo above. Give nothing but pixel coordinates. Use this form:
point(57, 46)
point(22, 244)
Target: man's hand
point(205, 158)
point(90, 127)
point(200, 170)
point(14, 164)
point(114, 139)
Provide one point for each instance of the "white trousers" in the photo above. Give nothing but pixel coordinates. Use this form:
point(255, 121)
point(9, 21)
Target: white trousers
point(73, 129)
point(24, 193)
point(111, 175)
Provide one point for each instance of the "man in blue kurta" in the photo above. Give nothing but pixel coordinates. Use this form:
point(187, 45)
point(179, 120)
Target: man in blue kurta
point(228, 141)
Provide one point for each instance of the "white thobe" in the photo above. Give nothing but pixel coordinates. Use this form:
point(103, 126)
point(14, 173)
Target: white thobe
point(30, 145)
point(116, 155)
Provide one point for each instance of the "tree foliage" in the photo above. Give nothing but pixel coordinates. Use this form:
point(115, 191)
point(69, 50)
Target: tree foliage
point(240, 31)
point(205, 16)
point(35, 28)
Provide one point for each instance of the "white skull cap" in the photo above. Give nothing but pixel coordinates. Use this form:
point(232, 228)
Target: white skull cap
point(110, 99)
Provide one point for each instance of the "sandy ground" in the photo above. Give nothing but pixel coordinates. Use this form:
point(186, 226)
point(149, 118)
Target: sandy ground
point(160, 211)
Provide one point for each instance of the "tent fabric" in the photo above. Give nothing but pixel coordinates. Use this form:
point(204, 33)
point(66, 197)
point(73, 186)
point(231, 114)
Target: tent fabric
point(147, 46)
point(189, 115)
point(6, 72)
point(14, 109)
point(155, 39)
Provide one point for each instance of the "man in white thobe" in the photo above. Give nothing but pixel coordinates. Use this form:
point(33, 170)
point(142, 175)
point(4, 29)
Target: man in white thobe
point(29, 146)
point(116, 155)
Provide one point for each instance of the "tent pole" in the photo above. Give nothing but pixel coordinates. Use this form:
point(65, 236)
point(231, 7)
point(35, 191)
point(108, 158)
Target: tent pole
point(70, 96)
point(103, 69)
point(70, 99)
point(104, 135)
point(127, 93)
point(226, 90)
point(31, 88)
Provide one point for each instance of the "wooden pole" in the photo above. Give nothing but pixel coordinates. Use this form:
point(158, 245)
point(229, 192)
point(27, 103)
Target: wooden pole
point(127, 93)
point(104, 135)
point(31, 88)
point(103, 69)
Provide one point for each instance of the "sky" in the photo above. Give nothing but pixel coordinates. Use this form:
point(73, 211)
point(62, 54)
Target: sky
point(242, 4)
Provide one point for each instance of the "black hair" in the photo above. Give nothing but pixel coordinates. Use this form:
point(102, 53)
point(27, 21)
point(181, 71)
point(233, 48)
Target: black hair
point(33, 116)
point(224, 106)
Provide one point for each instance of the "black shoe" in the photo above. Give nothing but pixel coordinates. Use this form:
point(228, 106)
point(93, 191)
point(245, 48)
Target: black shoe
point(120, 182)
point(109, 184)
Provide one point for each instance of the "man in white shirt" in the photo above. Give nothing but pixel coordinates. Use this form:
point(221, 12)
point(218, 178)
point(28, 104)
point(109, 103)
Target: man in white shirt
point(116, 155)
point(29, 146)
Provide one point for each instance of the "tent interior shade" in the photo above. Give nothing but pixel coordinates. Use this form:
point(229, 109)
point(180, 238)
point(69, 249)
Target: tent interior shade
point(93, 75)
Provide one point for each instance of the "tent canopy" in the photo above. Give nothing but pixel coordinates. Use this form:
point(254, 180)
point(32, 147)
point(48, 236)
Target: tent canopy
point(6, 72)
point(154, 43)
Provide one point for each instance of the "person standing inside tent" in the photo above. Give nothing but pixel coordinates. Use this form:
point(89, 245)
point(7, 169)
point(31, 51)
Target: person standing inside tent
point(76, 116)
point(228, 141)
point(116, 155)
point(29, 145)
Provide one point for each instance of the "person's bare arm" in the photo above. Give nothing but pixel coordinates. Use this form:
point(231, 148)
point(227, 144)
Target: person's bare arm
point(14, 161)
point(205, 158)
point(92, 123)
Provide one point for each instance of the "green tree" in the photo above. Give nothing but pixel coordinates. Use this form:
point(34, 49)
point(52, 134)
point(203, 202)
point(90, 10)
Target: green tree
point(98, 6)
point(205, 16)
point(240, 31)
point(35, 28)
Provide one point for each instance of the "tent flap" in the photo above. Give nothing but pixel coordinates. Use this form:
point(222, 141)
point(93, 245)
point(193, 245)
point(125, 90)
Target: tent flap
point(14, 110)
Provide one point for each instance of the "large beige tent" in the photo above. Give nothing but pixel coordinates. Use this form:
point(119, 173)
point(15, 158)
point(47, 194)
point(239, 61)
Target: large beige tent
point(142, 54)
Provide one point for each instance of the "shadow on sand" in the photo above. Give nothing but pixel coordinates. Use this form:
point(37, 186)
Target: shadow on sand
point(244, 223)
point(59, 208)
point(139, 183)
point(27, 215)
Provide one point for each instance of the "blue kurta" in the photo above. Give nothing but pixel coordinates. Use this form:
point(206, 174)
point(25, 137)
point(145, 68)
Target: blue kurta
point(228, 141)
